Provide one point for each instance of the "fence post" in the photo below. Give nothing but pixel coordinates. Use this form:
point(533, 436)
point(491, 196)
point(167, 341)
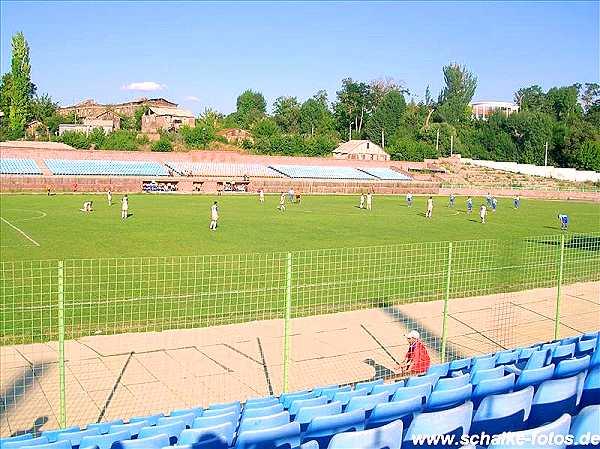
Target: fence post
point(62, 418)
point(286, 323)
point(446, 299)
point(560, 276)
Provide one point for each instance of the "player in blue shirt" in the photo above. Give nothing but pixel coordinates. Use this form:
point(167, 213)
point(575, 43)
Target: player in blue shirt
point(469, 205)
point(451, 200)
point(564, 222)
point(494, 204)
point(517, 201)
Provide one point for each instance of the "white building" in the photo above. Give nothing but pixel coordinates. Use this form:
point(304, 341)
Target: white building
point(363, 150)
point(87, 126)
point(483, 109)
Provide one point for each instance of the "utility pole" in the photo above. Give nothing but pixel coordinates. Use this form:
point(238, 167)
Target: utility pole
point(350, 131)
point(451, 145)
point(382, 138)
point(437, 142)
point(546, 156)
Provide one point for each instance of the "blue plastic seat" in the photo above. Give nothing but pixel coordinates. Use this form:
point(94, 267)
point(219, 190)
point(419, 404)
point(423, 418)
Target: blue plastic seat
point(422, 391)
point(366, 403)
point(14, 443)
point(460, 364)
point(537, 359)
point(299, 403)
point(430, 379)
point(385, 437)
point(585, 424)
point(534, 377)
point(330, 393)
point(390, 389)
point(591, 388)
point(595, 360)
point(440, 369)
point(345, 396)
point(306, 414)
point(507, 357)
point(154, 442)
point(318, 391)
point(387, 412)
point(443, 399)
point(287, 399)
point(286, 436)
point(193, 436)
point(75, 437)
point(197, 411)
point(454, 421)
point(21, 437)
point(132, 428)
point(322, 428)
point(187, 419)
point(485, 374)
point(368, 385)
point(63, 444)
point(563, 352)
point(555, 397)
point(484, 362)
point(150, 420)
point(586, 346)
point(52, 434)
point(525, 353)
point(450, 383)
point(255, 412)
point(104, 427)
point(550, 345)
point(220, 411)
point(261, 402)
point(558, 427)
point(104, 441)
point(571, 367)
point(172, 430)
point(264, 422)
point(505, 412)
point(221, 405)
point(569, 340)
point(210, 421)
point(499, 385)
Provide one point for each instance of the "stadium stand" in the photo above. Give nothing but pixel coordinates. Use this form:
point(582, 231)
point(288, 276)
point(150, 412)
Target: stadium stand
point(222, 169)
point(19, 167)
point(386, 174)
point(105, 168)
point(322, 172)
point(377, 415)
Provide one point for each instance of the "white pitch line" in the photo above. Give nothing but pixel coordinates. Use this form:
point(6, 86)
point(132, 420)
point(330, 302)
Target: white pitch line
point(18, 230)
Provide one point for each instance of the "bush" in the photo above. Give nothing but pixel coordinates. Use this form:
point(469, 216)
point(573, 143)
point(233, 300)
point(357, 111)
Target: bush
point(246, 144)
point(75, 139)
point(163, 144)
point(96, 137)
point(197, 137)
point(411, 150)
point(120, 140)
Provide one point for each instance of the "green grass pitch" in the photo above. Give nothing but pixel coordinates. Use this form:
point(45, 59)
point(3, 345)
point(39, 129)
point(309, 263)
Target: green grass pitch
point(163, 268)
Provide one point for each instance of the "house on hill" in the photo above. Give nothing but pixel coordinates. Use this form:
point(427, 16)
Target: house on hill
point(166, 119)
point(363, 150)
point(91, 109)
point(235, 135)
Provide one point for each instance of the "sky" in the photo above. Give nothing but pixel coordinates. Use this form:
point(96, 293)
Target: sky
point(204, 54)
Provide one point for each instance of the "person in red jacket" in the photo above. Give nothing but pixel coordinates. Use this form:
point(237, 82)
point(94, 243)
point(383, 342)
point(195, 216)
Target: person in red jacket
point(417, 359)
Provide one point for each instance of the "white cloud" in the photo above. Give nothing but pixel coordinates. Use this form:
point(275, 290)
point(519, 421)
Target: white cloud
point(146, 86)
point(191, 98)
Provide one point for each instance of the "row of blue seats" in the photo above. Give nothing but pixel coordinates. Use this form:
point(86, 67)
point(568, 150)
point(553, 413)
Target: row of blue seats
point(105, 167)
point(19, 167)
point(322, 172)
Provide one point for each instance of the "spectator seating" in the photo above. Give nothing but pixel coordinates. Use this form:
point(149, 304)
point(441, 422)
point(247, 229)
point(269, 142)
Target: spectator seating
point(386, 174)
point(105, 168)
point(19, 167)
point(222, 169)
point(374, 414)
point(322, 172)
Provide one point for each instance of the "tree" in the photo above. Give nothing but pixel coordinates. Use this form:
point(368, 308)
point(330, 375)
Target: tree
point(251, 107)
point(460, 85)
point(387, 117)
point(428, 99)
point(20, 92)
point(530, 131)
point(286, 112)
point(315, 116)
point(265, 128)
point(42, 108)
point(590, 97)
point(531, 98)
point(379, 88)
point(353, 103)
point(562, 102)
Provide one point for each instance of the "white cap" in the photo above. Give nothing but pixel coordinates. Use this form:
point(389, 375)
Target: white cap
point(413, 334)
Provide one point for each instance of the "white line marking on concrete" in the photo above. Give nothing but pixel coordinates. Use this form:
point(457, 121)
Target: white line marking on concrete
point(19, 231)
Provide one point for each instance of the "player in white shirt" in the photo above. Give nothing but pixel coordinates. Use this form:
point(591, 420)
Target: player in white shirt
point(369, 201)
point(409, 199)
point(214, 216)
point(109, 197)
point(482, 213)
point(281, 206)
point(429, 207)
point(124, 207)
point(261, 196)
point(362, 201)
point(87, 207)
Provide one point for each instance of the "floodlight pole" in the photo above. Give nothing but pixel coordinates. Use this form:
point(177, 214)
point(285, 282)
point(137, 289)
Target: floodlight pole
point(446, 299)
point(546, 156)
point(62, 404)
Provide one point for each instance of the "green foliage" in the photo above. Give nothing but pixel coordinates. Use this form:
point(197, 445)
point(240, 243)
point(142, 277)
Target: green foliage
point(251, 107)
point(265, 128)
point(315, 116)
point(352, 106)
point(20, 91)
point(96, 138)
point(460, 85)
point(563, 102)
point(137, 117)
point(386, 117)
point(120, 140)
point(411, 150)
point(76, 139)
point(286, 112)
point(42, 107)
point(198, 137)
point(587, 156)
point(163, 144)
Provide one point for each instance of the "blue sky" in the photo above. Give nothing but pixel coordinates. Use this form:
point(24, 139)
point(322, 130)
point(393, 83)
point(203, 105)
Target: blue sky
point(204, 54)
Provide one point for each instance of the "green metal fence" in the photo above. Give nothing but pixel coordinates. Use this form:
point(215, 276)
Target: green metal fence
point(91, 340)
